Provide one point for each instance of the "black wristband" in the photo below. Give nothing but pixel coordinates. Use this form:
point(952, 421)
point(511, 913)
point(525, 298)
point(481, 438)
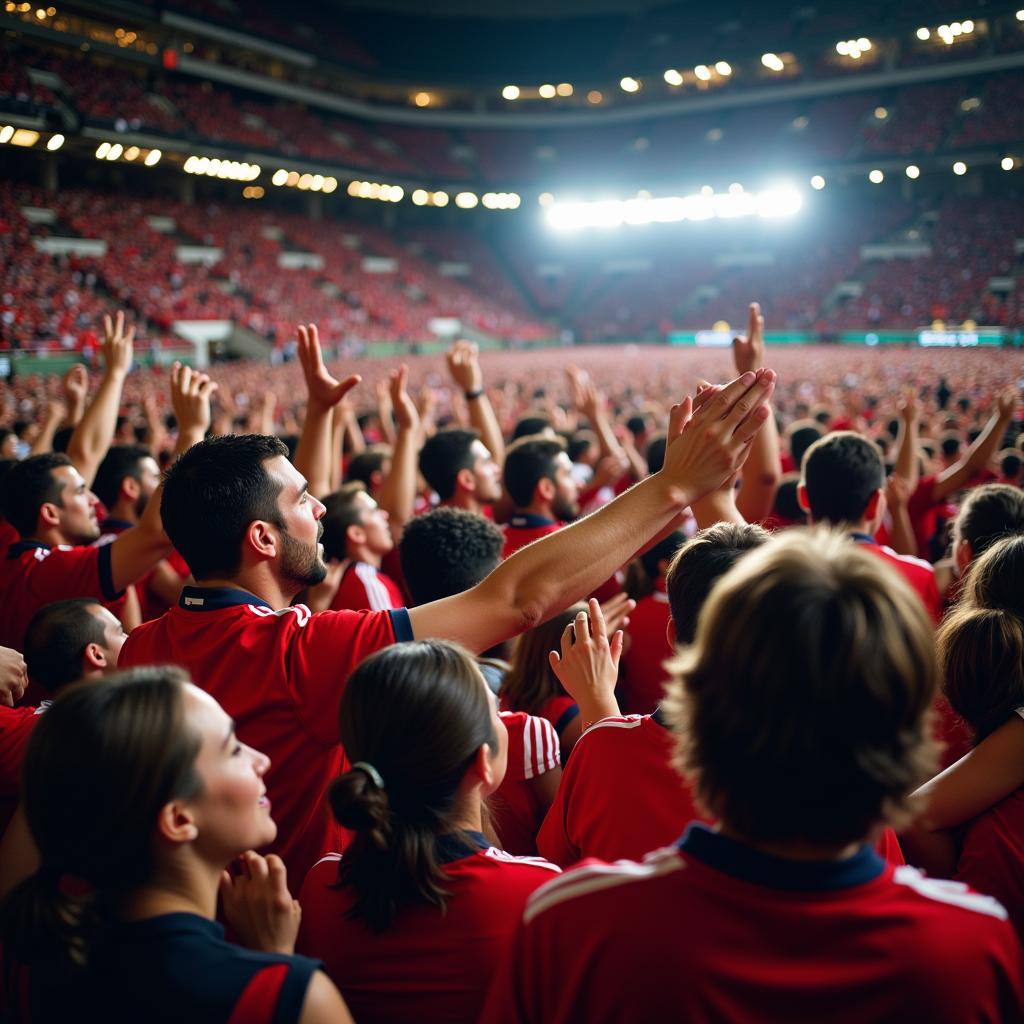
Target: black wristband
point(470, 395)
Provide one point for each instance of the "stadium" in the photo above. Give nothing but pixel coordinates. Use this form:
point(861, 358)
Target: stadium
point(462, 465)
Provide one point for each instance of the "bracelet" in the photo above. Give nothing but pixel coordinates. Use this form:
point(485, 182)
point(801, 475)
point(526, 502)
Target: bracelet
point(470, 395)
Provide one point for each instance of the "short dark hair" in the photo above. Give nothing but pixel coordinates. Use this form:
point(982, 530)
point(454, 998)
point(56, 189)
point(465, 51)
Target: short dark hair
point(663, 551)
point(699, 564)
point(802, 435)
point(1010, 464)
point(655, 453)
point(366, 463)
point(57, 637)
point(444, 456)
point(446, 552)
point(786, 504)
point(579, 443)
point(528, 461)
point(211, 495)
point(121, 460)
point(342, 512)
point(990, 513)
point(62, 438)
point(949, 444)
point(29, 486)
point(841, 472)
point(530, 425)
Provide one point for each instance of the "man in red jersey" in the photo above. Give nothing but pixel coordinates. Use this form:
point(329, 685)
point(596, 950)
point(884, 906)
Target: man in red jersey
point(461, 470)
point(243, 519)
point(842, 484)
point(800, 717)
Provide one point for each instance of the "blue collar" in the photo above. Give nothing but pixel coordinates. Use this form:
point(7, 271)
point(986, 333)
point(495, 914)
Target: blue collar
point(744, 862)
point(208, 599)
point(530, 521)
point(111, 524)
point(457, 845)
point(18, 548)
point(863, 538)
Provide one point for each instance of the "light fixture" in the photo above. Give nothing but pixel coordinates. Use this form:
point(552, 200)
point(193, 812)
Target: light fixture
point(564, 89)
point(959, 167)
point(56, 141)
point(153, 158)
point(881, 113)
point(772, 61)
point(817, 182)
point(703, 72)
point(510, 92)
point(913, 171)
point(629, 84)
point(1007, 163)
point(466, 200)
point(422, 99)
point(545, 199)
point(547, 92)
point(724, 68)
point(923, 34)
point(594, 96)
point(673, 77)
point(876, 177)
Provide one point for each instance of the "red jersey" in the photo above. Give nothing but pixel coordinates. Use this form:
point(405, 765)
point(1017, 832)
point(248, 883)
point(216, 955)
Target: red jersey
point(33, 575)
point(524, 528)
point(8, 536)
point(152, 606)
point(364, 586)
point(515, 806)
point(992, 855)
point(643, 676)
point(713, 930)
point(559, 710)
point(917, 572)
point(924, 512)
point(16, 725)
point(280, 675)
point(428, 965)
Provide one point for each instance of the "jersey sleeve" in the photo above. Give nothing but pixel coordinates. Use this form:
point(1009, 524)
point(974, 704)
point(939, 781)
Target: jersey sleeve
point(553, 840)
point(323, 651)
point(532, 745)
point(66, 572)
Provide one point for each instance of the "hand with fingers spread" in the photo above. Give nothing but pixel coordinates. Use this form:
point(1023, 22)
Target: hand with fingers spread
point(748, 349)
point(116, 346)
point(258, 905)
point(324, 390)
point(588, 665)
point(464, 366)
point(190, 399)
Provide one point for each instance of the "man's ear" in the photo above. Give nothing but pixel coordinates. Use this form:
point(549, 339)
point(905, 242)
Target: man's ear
point(355, 534)
point(131, 488)
point(670, 633)
point(176, 824)
point(465, 479)
point(801, 497)
point(261, 537)
point(545, 489)
point(963, 554)
point(874, 506)
point(94, 659)
point(49, 514)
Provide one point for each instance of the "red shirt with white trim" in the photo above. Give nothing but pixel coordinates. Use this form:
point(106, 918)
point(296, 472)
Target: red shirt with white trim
point(152, 605)
point(365, 586)
point(16, 725)
point(992, 855)
point(33, 575)
point(428, 966)
point(643, 676)
point(916, 571)
point(559, 710)
point(713, 930)
point(280, 675)
point(515, 806)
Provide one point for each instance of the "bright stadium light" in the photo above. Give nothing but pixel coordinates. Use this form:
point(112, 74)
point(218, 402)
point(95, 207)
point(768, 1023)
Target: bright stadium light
point(153, 157)
point(545, 199)
point(876, 177)
point(56, 141)
point(115, 151)
point(466, 200)
point(924, 34)
point(968, 26)
point(773, 62)
point(510, 92)
point(724, 68)
point(330, 184)
point(420, 197)
point(594, 96)
point(280, 177)
point(703, 72)
point(564, 88)
point(817, 182)
point(1006, 163)
point(673, 77)
point(547, 92)
point(959, 167)
point(629, 84)
point(913, 171)
point(440, 198)
point(7, 133)
point(25, 137)
point(101, 150)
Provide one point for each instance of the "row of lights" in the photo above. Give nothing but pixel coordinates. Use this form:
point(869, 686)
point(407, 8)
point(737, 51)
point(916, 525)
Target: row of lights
point(912, 171)
point(229, 170)
point(115, 151)
point(853, 48)
point(42, 13)
point(702, 72)
point(375, 190)
point(25, 137)
point(253, 192)
point(304, 182)
point(421, 197)
point(950, 33)
point(548, 91)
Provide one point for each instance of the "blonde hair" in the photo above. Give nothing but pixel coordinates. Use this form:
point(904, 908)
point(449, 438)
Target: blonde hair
point(800, 710)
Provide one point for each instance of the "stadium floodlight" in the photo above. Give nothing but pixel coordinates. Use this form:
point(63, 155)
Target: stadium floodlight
point(924, 34)
point(913, 171)
point(440, 198)
point(330, 184)
point(56, 141)
point(881, 113)
point(7, 133)
point(773, 62)
point(510, 92)
point(959, 167)
point(466, 200)
point(132, 153)
point(864, 44)
point(876, 177)
point(420, 197)
point(24, 137)
point(1020, 15)
point(114, 153)
point(281, 177)
point(968, 26)
point(422, 99)
point(724, 68)
point(545, 199)
point(153, 157)
point(1007, 163)
point(673, 77)
point(629, 84)
point(101, 150)
point(594, 96)
point(547, 92)
point(703, 72)
point(817, 182)
point(564, 88)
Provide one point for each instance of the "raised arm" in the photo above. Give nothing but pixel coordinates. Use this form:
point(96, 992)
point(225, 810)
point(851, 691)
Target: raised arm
point(95, 432)
point(56, 413)
point(907, 461)
point(398, 492)
point(464, 366)
point(313, 454)
point(978, 456)
point(760, 477)
point(76, 390)
point(538, 581)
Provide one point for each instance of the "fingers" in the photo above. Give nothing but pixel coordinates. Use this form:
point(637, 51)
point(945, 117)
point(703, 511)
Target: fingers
point(679, 416)
point(755, 322)
point(555, 661)
point(750, 399)
point(597, 618)
point(278, 877)
point(581, 626)
point(615, 647)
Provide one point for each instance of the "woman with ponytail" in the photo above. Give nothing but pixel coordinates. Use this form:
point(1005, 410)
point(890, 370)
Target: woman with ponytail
point(413, 920)
point(137, 796)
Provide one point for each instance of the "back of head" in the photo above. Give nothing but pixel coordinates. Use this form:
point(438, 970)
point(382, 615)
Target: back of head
point(102, 761)
point(368, 463)
point(802, 435)
point(981, 658)
point(949, 445)
point(121, 460)
point(443, 456)
point(699, 564)
point(211, 495)
point(56, 639)
point(655, 453)
point(841, 472)
point(786, 503)
point(342, 512)
point(530, 681)
point(29, 486)
point(528, 461)
point(994, 579)
point(447, 551)
point(990, 513)
point(800, 709)
point(663, 551)
point(416, 714)
point(1010, 465)
point(530, 425)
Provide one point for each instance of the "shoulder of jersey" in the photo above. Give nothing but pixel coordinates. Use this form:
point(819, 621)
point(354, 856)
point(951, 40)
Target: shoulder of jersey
point(301, 613)
point(953, 894)
point(600, 876)
point(493, 853)
point(617, 722)
point(918, 563)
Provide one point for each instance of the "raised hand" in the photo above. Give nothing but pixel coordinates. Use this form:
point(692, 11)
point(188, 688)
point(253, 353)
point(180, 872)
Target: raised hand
point(13, 676)
point(897, 492)
point(116, 346)
point(588, 665)
point(190, 400)
point(258, 905)
point(615, 612)
point(324, 390)
point(406, 413)
point(909, 407)
point(1006, 403)
point(76, 386)
point(464, 366)
point(748, 349)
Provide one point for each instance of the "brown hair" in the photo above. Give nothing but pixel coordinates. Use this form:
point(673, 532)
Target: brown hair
point(800, 709)
point(101, 763)
point(530, 681)
point(993, 580)
point(417, 713)
point(990, 513)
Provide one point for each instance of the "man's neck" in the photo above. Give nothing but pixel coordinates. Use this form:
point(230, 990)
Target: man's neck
point(258, 583)
point(464, 500)
point(538, 508)
point(52, 538)
point(125, 512)
point(794, 851)
point(364, 554)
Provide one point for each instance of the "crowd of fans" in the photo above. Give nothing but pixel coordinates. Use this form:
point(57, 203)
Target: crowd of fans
point(401, 642)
